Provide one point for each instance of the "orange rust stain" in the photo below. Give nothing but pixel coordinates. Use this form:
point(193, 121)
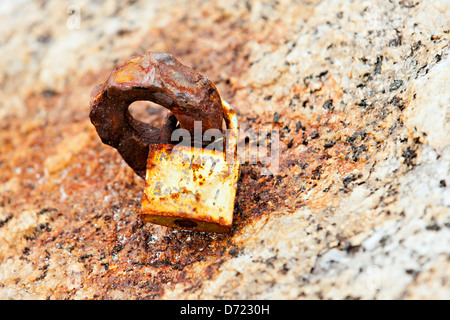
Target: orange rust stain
point(168, 259)
point(125, 75)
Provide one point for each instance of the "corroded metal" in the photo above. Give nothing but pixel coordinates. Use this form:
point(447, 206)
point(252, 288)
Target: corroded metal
point(160, 78)
point(193, 188)
point(186, 186)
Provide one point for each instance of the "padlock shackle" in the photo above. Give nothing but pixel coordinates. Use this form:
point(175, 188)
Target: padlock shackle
point(159, 78)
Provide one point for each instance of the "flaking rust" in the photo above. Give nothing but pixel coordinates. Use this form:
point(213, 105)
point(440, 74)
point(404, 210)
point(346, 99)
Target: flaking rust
point(186, 186)
point(159, 78)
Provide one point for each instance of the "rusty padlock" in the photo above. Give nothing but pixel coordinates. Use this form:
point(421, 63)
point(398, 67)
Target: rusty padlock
point(188, 187)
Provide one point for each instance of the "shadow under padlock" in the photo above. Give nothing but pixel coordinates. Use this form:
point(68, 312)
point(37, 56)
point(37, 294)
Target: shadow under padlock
point(191, 187)
point(188, 187)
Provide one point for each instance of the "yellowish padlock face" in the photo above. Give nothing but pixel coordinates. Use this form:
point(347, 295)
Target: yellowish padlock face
point(189, 188)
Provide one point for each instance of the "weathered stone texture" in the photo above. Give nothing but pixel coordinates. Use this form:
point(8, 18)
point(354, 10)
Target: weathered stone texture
point(360, 206)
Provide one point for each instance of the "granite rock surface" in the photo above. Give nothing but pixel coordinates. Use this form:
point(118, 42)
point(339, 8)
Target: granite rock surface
point(358, 208)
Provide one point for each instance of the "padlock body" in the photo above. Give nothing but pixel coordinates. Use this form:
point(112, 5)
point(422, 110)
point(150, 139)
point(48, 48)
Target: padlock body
point(189, 188)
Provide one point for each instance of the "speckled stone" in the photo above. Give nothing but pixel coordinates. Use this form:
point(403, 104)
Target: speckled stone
point(360, 205)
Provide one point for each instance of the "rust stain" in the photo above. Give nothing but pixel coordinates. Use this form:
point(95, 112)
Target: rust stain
point(92, 207)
